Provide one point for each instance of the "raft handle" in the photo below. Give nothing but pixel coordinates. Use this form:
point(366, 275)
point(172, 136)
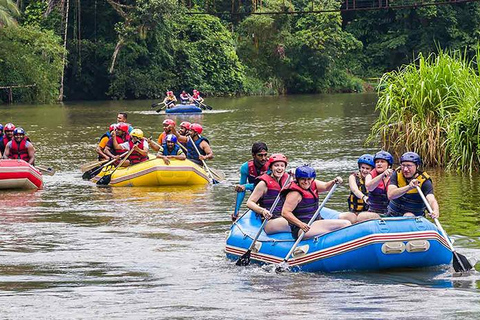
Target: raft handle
point(393, 247)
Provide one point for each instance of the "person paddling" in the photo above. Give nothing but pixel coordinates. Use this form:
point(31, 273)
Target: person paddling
point(402, 190)
point(20, 147)
point(265, 193)
point(377, 182)
point(201, 144)
point(170, 150)
point(102, 143)
point(184, 97)
point(118, 144)
point(140, 146)
point(302, 201)
point(170, 100)
point(196, 98)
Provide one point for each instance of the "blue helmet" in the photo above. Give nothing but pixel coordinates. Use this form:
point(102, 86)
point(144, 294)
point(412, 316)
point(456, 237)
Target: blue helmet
point(305, 172)
point(171, 138)
point(384, 155)
point(18, 131)
point(412, 157)
point(1, 127)
point(366, 159)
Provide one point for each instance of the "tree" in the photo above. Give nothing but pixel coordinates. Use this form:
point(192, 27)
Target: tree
point(8, 12)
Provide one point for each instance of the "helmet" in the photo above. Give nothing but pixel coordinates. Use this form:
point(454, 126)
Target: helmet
point(137, 133)
point(412, 157)
point(123, 127)
point(18, 131)
point(9, 127)
point(112, 127)
point(169, 122)
point(277, 157)
point(1, 127)
point(195, 91)
point(366, 159)
point(384, 155)
point(305, 172)
point(196, 127)
point(171, 138)
point(169, 93)
point(185, 124)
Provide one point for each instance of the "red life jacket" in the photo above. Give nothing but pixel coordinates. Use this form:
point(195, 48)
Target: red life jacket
point(19, 151)
point(135, 157)
point(120, 140)
point(273, 189)
point(307, 207)
point(377, 199)
point(253, 172)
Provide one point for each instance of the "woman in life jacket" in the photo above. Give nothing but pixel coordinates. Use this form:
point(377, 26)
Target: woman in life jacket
point(140, 146)
point(170, 150)
point(357, 201)
point(377, 182)
point(402, 192)
point(301, 203)
point(266, 191)
point(196, 98)
point(170, 99)
point(20, 148)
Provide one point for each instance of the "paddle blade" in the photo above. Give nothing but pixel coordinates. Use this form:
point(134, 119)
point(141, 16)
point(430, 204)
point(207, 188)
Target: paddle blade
point(105, 180)
point(208, 107)
point(461, 263)
point(154, 105)
point(282, 267)
point(87, 175)
point(244, 260)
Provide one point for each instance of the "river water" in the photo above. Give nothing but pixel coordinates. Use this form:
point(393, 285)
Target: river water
point(73, 250)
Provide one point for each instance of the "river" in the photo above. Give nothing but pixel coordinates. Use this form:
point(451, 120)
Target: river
point(73, 250)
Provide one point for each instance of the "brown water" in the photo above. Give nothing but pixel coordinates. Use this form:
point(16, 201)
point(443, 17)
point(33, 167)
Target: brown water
point(74, 250)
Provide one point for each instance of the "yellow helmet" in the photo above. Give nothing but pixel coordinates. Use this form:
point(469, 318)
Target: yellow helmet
point(137, 133)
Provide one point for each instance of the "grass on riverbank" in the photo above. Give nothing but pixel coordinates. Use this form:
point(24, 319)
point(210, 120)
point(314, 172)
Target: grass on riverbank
point(431, 106)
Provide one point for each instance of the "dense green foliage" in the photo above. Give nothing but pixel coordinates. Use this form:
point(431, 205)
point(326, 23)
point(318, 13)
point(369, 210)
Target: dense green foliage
point(432, 107)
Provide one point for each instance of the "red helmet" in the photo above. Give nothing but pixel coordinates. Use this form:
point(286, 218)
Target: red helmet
point(185, 124)
point(196, 127)
point(123, 127)
point(112, 127)
point(277, 157)
point(169, 93)
point(9, 127)
point(195, 91)
point(169, 122)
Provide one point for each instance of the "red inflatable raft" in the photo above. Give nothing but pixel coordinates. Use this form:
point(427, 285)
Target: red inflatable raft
point(18, 174)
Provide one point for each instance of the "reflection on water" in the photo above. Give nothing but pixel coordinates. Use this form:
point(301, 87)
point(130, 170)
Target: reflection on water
point(156, 252)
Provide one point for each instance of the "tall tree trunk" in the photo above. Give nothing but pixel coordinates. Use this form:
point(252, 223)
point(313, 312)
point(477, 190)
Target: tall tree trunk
point(119, 46)
point(60, 96)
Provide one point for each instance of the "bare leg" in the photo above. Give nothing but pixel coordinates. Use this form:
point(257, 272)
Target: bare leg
point(409, 214)
point(350, 216)
point(277, 225)
point(367, 215)
point(324, 226)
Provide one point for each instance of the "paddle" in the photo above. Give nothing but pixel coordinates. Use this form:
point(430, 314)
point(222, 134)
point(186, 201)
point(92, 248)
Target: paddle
point(87, 175)
point(105, 180)
point(284, 264)
point(213, 181)
point(203, 105)
point(46, 170)
point(161, 108)
point(156, 104)
point(460, 262)
point(92, 165)
point(244, 260)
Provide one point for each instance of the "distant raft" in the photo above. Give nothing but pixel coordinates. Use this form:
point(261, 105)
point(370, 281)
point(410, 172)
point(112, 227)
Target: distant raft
point(155, 172)
point(18, 174)
point(184, 108)
point(372, 245)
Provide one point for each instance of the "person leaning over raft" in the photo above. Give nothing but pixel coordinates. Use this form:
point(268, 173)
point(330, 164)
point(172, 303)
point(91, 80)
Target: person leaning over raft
point(20, 148)
point(265, 193)
point(377, 183)
point(402, 191)
point(301, 203)
point(170, 150)
point(357, 201)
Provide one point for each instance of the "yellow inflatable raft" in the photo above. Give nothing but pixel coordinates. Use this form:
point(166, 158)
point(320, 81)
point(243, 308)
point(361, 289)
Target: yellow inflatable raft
point(155, 172)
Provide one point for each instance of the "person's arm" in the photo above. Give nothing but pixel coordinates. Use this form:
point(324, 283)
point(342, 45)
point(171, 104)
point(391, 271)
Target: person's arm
point(243, 185)
point(434, 204)
point(143, 150)
point(31, 153)
point(352, 183)
point(206, 148)
point(257, 193)
point(292, 199)
point(180, 138)
point(372, 183)
point(180, 155)
point(326, 186)
point(108, 150)
point(6, 154)
point(101, 146)
point(394, 191)
point(153, 145)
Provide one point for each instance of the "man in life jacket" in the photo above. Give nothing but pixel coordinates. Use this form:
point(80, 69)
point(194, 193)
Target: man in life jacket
point(7, 136)
point(402, 191)
point(170, 150)
point(102, 143)
point(170, 100)
point(201, 144)
point(196, 98)
point(168, 128)
point(249, 171)
point(122, 118)
point(140, 146)
point(20, 148)
point(184, 97)
point(118, 144)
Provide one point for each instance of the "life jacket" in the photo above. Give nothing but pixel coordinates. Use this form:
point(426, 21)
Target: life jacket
point(410, 201)
point(356, 204)
point(19, 151)
point(135, 157)
point(184, 99)
point(273, 189)
point(253, 172)
point(378, 199)
point(307, 207)
point(106, 134)
point(3, 143)
point(120, 140)
point(196, 96)
point(162, 139)
point(192, 154)
point(174, 152)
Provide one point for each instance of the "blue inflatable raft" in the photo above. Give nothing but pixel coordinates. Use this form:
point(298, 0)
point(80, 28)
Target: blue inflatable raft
point(389, 243)
point(184, 108)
